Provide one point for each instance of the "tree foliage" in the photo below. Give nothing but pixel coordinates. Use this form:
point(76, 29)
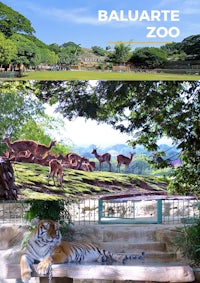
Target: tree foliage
point(69, 52)
point(7, 50)
point(191, 45)
point(17, 109)
point(149, 57)
point(13, 22)
point(97, 50)
point(121, 54)
point(27, 51)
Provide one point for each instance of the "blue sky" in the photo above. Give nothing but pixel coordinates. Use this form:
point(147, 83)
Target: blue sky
point(62, 21)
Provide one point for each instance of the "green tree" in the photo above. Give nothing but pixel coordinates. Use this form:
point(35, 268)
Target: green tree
point(28, 53)
point(121, 54)
point(172, 49)
point(7, 50)
point(54, 210)
point(48, 57)
point(54, 47)
point(98, 50)
point(13, 22)
point(148, 57)
point(69, 53)
point(191, 45)
point(17, 107)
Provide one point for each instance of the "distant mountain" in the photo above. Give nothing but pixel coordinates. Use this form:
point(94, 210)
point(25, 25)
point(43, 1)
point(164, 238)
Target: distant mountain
point(171, 151)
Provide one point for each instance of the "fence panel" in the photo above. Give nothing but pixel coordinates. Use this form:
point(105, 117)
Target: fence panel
point(93, 211)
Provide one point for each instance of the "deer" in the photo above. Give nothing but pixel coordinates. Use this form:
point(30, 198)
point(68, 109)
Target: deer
point(44, 149)
point(79, 165)
point(56, 169)
point(121, 159)
point(21, 146)
point(88, 166)
point(73, 158)
point(102, 158)
point(45, 160)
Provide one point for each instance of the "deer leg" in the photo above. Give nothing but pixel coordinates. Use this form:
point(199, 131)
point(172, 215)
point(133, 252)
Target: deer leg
point(49, 176)
point(118, 167)
point(53, 178)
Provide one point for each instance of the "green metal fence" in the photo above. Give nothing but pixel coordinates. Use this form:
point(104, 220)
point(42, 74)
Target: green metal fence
point(115, 211)
point(168, 211)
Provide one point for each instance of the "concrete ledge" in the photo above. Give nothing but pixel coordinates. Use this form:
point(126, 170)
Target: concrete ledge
point(113, 272)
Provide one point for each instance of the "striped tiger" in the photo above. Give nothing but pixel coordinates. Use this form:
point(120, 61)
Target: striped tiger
point(45, 244)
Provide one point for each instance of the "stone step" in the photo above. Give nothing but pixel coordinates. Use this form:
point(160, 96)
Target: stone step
point(130, 233)
point(161, 256)
point(133, 235)
point(128, 246)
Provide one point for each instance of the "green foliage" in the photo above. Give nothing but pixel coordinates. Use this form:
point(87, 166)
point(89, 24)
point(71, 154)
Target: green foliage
point(189, 243)
point(54, 210)
point(48, 57)
point(27, 51)
point(149, 57)
point(7, 50)
point(45, 54)
point(97, 50)
point(17, 108)
point(69, 53)
point(171, 49)
point(191, 45)
point(54, 47)
point(13, 22)
point(121, 54)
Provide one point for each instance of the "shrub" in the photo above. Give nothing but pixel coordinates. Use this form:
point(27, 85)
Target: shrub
point(189, 243)
point(54, 210)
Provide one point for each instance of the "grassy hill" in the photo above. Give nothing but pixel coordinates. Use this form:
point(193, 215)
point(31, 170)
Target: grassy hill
point(32, 182)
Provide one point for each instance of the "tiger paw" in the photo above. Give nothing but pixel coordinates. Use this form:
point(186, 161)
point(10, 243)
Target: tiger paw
point(25, 269)
point(26, 277)
point(43, 266)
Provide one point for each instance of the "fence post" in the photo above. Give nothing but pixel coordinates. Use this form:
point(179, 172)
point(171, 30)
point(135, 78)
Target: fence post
point(100, 209)
point(159, 211)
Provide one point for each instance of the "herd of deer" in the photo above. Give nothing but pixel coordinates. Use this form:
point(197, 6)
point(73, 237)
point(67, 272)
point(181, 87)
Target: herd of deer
point(32, 152)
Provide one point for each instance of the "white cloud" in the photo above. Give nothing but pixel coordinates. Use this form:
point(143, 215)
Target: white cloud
point(82, 132)
point(86, 132)
point(76, 15)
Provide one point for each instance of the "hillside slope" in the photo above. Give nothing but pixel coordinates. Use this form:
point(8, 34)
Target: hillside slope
point(32, 181)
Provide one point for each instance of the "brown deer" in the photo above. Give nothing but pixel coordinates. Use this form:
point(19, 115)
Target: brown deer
point(102, 158)
point(45, 160)
point(78, 165)
point(21, 146)
point(44, 149)
point(56, 169)
point(88, 166)
point(121, 159)
point(81, 162)
point(75, 159)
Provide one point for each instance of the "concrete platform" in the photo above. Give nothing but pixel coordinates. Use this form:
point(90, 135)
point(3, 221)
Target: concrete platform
point(162, 273)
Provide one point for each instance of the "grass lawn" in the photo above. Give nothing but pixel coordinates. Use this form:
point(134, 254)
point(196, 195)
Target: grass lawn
point(90, 75)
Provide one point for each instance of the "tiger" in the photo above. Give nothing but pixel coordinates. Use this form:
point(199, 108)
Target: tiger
point(45, 245)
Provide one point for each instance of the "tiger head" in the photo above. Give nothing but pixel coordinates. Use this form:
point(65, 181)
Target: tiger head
point(47, 231)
